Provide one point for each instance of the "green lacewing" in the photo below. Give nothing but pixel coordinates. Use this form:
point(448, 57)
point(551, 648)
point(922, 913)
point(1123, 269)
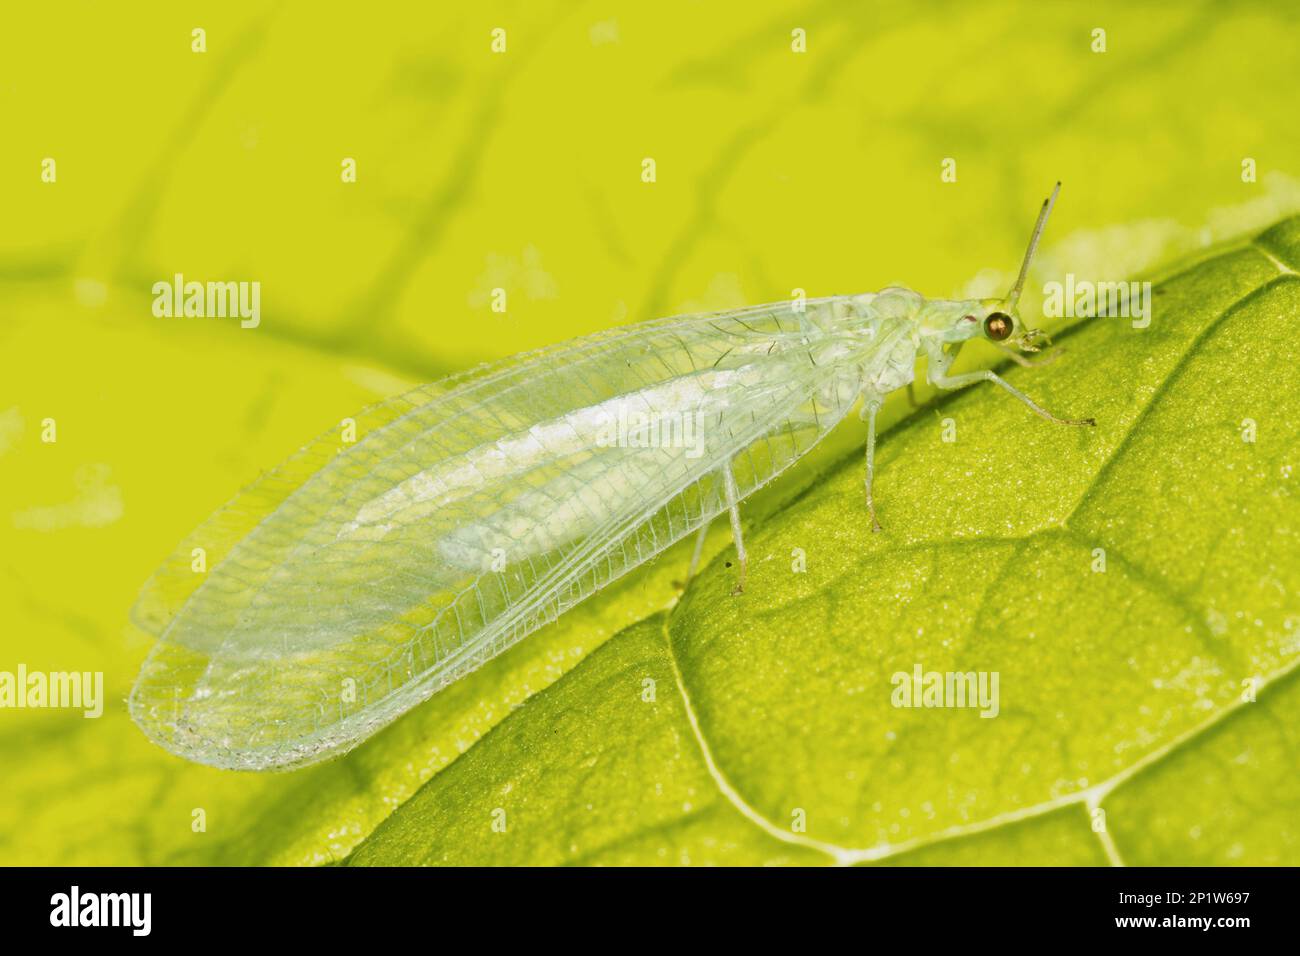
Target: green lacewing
point(351, 584)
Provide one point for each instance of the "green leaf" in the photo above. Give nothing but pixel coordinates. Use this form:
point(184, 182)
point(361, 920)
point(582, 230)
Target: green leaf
point(1126, 728)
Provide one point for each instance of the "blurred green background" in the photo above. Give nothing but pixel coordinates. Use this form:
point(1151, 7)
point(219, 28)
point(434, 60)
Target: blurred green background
point(520, 170)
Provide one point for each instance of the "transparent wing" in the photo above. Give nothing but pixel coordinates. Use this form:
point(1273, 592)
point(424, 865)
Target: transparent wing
point(357, 580)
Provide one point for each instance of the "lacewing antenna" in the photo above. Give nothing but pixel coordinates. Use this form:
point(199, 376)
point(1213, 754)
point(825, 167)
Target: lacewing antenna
point(1014, 295)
